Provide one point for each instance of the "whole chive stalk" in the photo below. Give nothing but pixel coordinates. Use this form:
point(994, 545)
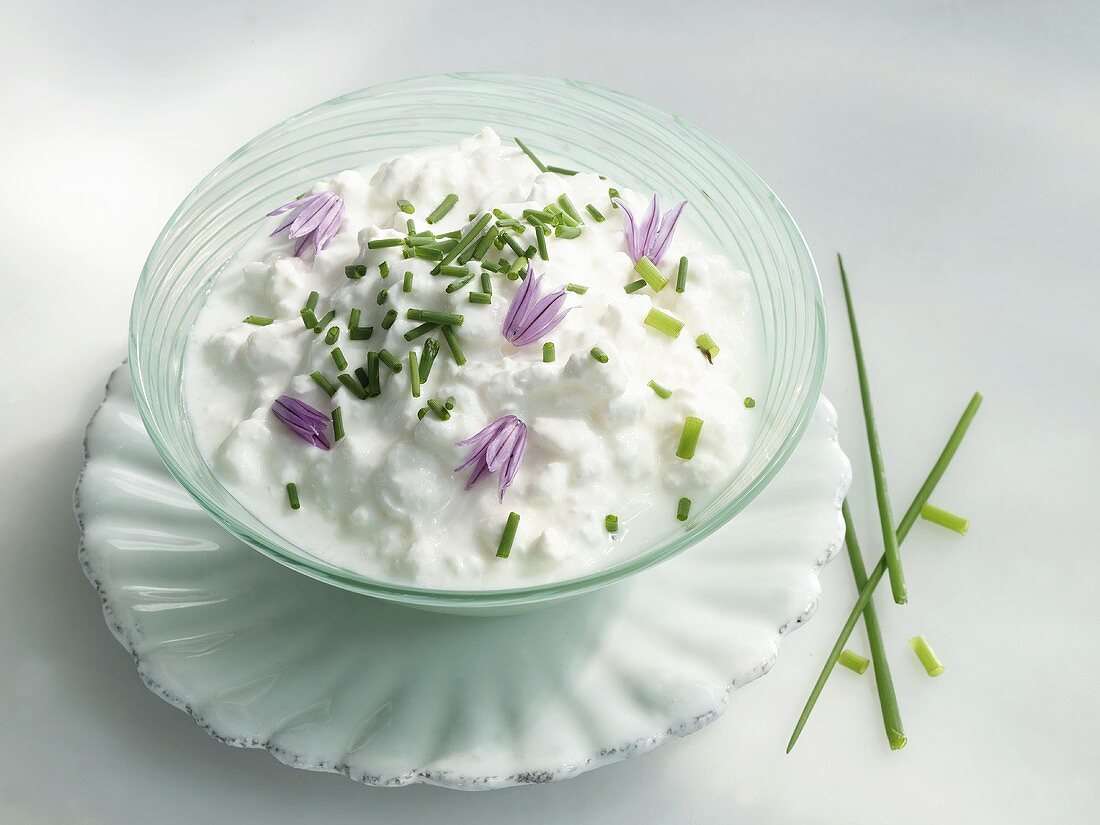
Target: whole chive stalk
point(407, 282)
point(292, 496)
point(468, 240)
point(534, 159)
point(878, 465)
point(682, 275)
point(324, 320)
point(569, 208)
point(611, 523)
point(423, 329)
point(311, 301)
point(663, 322)
point(932, 665)
point(929, 512)
point(595, 213)
point(385, 243)
point(259, 320)
point(309, 318)
point(683, 509)
point(578, 289)
point(441, 411)
point(332, 335)
point(750, 402)
point(405, 206)
point(661, 391)
point(452, 344)
point(338, 358)
point(352, 384)
point(374, 378)
point(707, 346)
point(650, 274)
point(598, 354)
point(322, 381)
point(480, 298)
point(337, 424)
point(567, 232)
point(414, 375)
point(442, 318)
point(879, 570)
point(427, 358)
point(689, 437)
point(455, 286)
point(486, 283)
point(853, 661)
point(444, 207)
point(634, 286)
point(386, 357)
point(540, 242)
point(389, 318)
point(486, 241)
point(355, 271)
point(383, 296)
point(508, 537)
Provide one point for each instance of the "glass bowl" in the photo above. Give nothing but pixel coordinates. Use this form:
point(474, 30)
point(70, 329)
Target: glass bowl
point(633, 143)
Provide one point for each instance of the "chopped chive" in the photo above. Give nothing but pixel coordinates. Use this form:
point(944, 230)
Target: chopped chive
point(386, 357)
point(453, 235)
point(508, 536)
point(414, 375)
point(405, 206)
point(750, 402)
point(311, 301)
point(439, 409)
point(486, 241)
point(455, 286)
point(853, 661)
point(502, 215)
point(683, 509)
point(663, 322)
point(382, 296)
point(570, 209)
point(486, 283)
point(292, 494)
point(467, 240)
point(579, 289)
point(595, 213)
point(452, 344)
point(440, 211)
point(567, 232)
point(932, 665)
point(407, 282)
point(355, 271)
point(423, 411)
point(707, 346)
point(308, 318)
point(325, 320)
point(423, 329)
point(337, 424)
point(427, 358)
point(332, 335)
point(374, 379)
point(410, 226)
point(426, 239)
point(450, 402)
point(878, 466)
point(353, 318)
point(360, 333)
point(448, 318)
point(481, 298)
point(538, 216)
point(682, 275)
point(324, 383)
point(508, 239)
point(353, 385)
point(259, 320)
point(611, 523)
point(427, 253)
point(634, 286)
point(452, 271)
point(389, 318)
point(385, 243)
point(689, 437)
point(490, 266)
point(561, 171)
point(384, 270)
point(549, 355)
point(650, 274)
point(538, 163)
point(530, 252)
point(338, 358)
point(613, 193)
point(661, 391)
point(598, 354)
point(518, 265)
point(540, 241)
point(932, 513)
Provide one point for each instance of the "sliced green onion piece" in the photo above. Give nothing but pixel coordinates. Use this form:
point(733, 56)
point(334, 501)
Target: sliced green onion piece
point(450, 402)
point(853, 661)
point(689, 437)
point(650, 274)
point(292, 494)
point(538, 216)
point(508, 536)
point(444, 207)
point(634, 286)
point(570, 209)
point(449, 318)
point(598, 354)
point(384, 270)
point(405, 206)
point(337, 424)
point(407, 282)
point(661, 391)
point(425, 239)
point(595, 213)
point(427, 253)
point(663, 322)
point(518, 266)
point(929, 512)
point(386, 357)
point(414, 375)
point(423, 329)
point(353, 385)
point(385, 243)
point(707, 346)
point(423, 411)
point(579, 289)
point(259, 320)
point(360, 333)
point(683, 509)
point(452, 344)
point(932, 665)
point(480, 298)
point(338, 358)
point(439, 409)
point(549, 355)
point(389, 318)
point(324, 383)
point(355, 271)
point(682, 275)
point(611, 523)
point(538, 163)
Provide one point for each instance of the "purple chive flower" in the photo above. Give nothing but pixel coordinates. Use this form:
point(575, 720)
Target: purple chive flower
point(306, 422)
point(497, 448)
point(315, 219)
point(532, 315)
point(651, 237)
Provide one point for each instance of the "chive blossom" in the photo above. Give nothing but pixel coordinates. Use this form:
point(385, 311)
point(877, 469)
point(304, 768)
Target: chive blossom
point(663, 322)
point(689, 437)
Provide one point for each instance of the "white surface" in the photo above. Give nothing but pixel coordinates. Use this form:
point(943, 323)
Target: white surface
point(951, 151)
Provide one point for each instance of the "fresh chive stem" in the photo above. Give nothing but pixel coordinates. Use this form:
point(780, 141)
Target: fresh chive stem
point(385, 243)
point(932, 665)
point(634, 286)
point(259, 320)
point(486, 283)
point(486, 241)
point(663, 322)
point(534, 158)
point(549, 355)
point(324, 320)
point(389, 318)
point(322, 381)
point(309, 318)
point(450, 402)
point(338, 358)
point(439, 409)
point(355, 271)
point(853, 661)
point(407, 282)
point(689, 437)
point(570, 210)
point(512, 244)
point(453, 345)
point(337, 424)
point(352, 384)
point(423, 329)
point(750, 402)
point(683, 509)
point(292, 495)
point(508, 537)
point(595, 213)
point(456, 285)
point(650, 274)
point(481, 298)
point(567, 232)
point(444, 207)
point(332, 335)
point(427, 358)
point(468, 240)
point(374, 379)
point(311, 301)
point(932, 513)
point(682, 275)
point(384, 270)
point(382, 296)
point(414, 375)
point(707, 346)
point(661, 391)
point(540, 240)
point(387, 358)
point(443, 318)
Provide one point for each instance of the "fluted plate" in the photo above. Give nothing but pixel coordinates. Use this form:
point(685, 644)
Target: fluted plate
point(328, 680)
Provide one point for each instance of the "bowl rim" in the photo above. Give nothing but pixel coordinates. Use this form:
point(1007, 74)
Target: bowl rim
point(527, 594)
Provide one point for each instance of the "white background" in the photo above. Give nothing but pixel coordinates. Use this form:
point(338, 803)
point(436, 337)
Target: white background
point(950, 150)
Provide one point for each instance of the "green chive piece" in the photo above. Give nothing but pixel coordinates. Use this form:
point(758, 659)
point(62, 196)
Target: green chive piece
point(382, 296)
point(427, 358)
point(682, 275)
point(853, 661)
point(468, 240)
point(452, 271)
point(439, 409)
point(663, 322)
point(292, 494)
point(611, 523)
point(579, 289)
point(530, 252)
point(338, 358)
point(405, 206)
point(561, 171)
point(360, 333)
point(311, 301)
point(489, 266)
point(355, 271)
point(518, 265)
point(878, 466)
point(259, 320)
point(661, 391)
point(540, 240)
point(308, 318)
point(324, 383)
point(598, 354)
point(634, 286)
point(689, 437)
point(374, 379)
point(450, 402)
point(932, 665)
point(707, 346)
point(537, 216)
point(567, 232)
point(427, 253)
point(453, 235)
point(423, 329)
point(353, 318)
point(595, 213)
point(534, 159)
point(570, 209)
point(423, 411)
point(613, 193)
point(384, 270)
point(410, 226)
point(386, 357)
point(353, 386)
point(502, 215)
point(452, 344)
point(515, 247)
point(486, 283)
point(449, 318)
point(650, 274)
point(932, 513)
point(750, 402)
point(385, 243)
point(683, 509)
point(407, 283)
point(440, 211)
point(549, 355)
point(866, 591)
point(337, 424)
point(414, 374)
point(455, 286)
point(486, 241)
point(426, 239)
point(508, 536)
point(390, 317)
point(332, 335)
point(325, 320)
point(480, 298)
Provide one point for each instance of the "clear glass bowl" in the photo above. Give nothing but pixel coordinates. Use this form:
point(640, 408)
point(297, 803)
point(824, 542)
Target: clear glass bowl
point(594, 128)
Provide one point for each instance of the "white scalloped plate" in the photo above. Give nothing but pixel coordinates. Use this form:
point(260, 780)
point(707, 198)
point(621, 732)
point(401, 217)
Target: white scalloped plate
point(329, 680)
